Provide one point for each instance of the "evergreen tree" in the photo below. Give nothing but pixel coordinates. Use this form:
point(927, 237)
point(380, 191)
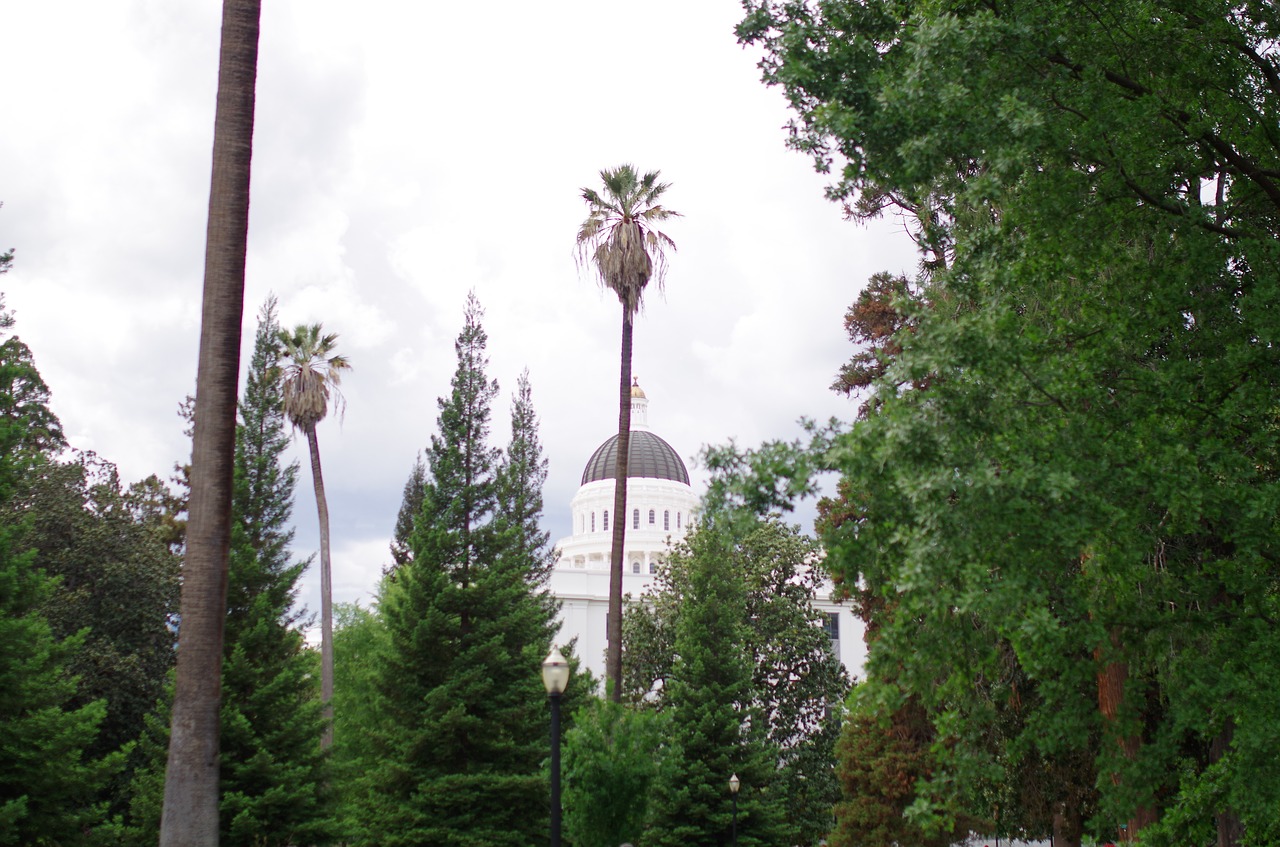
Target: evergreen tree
point(521, 477)
point(463, 703)
point(49, 788)
point(24, 398)
point(360, 642)
point(797, 683)
point(272, 773)
point(272, 766)
point(50, 785)
point(715, 732)
point(612, 756)
point(526, 547)
point(880, 767)
point(116, 590)
point(410, 506)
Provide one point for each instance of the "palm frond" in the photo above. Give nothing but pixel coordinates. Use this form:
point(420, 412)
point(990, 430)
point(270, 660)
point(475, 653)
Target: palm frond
point(310, 376)
point(617, 240)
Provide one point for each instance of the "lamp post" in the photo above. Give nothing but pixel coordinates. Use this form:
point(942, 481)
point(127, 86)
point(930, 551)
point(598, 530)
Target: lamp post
point(734, 784)
point(555, 676)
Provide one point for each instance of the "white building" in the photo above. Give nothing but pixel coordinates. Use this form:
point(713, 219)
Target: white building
point(660, 506)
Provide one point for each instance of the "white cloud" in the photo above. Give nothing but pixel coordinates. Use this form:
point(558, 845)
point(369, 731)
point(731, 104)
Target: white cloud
point(404, 156)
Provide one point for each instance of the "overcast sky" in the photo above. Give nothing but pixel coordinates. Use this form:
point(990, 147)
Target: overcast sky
point(404, 154)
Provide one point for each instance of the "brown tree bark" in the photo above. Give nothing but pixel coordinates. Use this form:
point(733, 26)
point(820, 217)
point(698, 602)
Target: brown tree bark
point(1230, 829)
point(190, 815)
point(1112, 678)
point(613, 656)
point(1067, 828)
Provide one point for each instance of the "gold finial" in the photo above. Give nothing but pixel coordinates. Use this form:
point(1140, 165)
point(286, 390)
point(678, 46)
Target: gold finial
point(636, 390)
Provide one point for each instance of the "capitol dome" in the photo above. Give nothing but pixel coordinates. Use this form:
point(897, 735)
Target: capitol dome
point(649, 458)
point(661, 508)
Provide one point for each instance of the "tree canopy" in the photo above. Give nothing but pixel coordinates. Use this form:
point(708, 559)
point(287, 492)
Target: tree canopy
point(1061, 504)
point(461, 721)
point(797, 685)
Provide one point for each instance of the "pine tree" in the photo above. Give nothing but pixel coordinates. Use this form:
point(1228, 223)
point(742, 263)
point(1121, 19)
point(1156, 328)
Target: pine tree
point(410, 506)
point(715, 734)
point(50, 788)
point(272, 774)
point(461, 690)
point(521, 477)
point(797, 683)
point(116, 591)
point(272, 766)
point(24, 398)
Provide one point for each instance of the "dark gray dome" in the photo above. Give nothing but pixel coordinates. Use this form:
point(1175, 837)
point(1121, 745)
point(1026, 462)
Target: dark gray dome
point(648, 457)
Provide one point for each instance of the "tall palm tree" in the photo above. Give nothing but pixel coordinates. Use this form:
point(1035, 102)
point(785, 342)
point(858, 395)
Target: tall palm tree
point(190, 815)
point(619, 243)
point(310, 377)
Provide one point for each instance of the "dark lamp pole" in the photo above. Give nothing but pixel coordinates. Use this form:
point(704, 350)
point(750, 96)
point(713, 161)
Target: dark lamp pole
point(734, 784)
point(555, 676)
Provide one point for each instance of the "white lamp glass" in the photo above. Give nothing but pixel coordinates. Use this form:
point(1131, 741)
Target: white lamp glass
point(555, 672)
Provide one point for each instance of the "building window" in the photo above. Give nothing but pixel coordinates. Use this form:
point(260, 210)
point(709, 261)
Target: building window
point(653, 567)
point(593, 521)
point(652, 518)
point(606, 520)
point(666, 520)
point(635, 567)
point(677, 520)
point(832, 625)
point(635, 519)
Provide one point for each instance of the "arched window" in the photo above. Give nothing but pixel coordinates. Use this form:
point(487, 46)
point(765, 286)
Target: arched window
point(635, 567)
point(606, 520)
point(652, 519)
point(666, 520)
point(653, 567)
point(635, 519)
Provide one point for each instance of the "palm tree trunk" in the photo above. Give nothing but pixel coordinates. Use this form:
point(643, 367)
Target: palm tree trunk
point(613, 658)
point(326, 591)
point(190, 814)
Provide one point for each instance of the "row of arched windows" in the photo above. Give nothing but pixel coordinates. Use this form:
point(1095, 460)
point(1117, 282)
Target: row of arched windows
point(635, 520)
point(653, 515)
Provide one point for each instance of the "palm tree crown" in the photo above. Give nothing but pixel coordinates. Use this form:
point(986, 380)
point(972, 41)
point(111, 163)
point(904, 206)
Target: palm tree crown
point(311, 374)
point(618, 239)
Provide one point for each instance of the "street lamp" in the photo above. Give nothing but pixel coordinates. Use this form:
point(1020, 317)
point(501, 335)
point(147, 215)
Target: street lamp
point(555, 676)
point(734, 784)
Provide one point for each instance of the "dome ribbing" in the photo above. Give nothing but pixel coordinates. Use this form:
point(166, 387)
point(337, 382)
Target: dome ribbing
point(649, 457)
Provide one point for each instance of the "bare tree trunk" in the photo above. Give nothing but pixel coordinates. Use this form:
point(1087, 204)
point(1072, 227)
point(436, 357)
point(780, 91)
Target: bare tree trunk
point(190, 815)
point(326, 590)
point(613, 658)
point(1066, 827)
point(1228, 824)
point(1112, 678)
